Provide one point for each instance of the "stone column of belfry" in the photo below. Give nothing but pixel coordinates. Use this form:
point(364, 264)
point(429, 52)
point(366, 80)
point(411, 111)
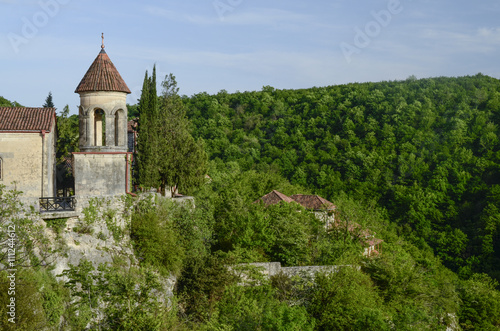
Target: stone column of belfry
point(111, 133)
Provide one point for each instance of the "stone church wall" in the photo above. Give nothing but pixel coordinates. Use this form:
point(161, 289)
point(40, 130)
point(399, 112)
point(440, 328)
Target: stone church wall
point(28, 163)
point(100, 174)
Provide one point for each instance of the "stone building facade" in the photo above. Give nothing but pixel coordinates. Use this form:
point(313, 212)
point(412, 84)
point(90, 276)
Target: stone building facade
point(27, 150)
point(28, 139)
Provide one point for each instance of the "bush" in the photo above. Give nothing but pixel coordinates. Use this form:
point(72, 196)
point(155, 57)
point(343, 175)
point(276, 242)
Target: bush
point(156, 242)
point(202, 284)
point(29, 303)
point(57, 224)
point(347, 300)
point(256, 308)
point(480, 309)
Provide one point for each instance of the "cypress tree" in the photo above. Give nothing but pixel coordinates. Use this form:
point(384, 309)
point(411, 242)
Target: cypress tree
point(48, 101)
point(146, 140)
point(167, 154)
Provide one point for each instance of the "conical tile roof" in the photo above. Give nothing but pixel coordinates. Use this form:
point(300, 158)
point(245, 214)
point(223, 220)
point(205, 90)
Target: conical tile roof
point(102, 76)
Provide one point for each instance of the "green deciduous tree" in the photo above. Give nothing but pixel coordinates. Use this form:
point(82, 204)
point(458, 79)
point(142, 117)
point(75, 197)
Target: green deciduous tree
point(67, 134)
point(183, 161)
point(155, 239)
point(6, 103)
point(480, 308)
point(347, 300)
point(426, 150)
point(18, 231)
point(117, 297)
point(257, 308)
point(29, 313)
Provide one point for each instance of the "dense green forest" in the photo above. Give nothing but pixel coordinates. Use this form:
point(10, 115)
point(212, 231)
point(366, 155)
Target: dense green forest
point(426, 151)
point(404, 288)
point(417, 162)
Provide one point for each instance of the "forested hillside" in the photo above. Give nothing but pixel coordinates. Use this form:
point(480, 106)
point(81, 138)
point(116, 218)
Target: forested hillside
point(415, 162)
point(426, 150)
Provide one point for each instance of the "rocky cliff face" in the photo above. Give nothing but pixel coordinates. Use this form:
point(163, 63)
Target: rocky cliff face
point(98, 231)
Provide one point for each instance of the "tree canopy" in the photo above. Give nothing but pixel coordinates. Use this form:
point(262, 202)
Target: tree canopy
point(426, 150)
point(6, 103)
point(416, 161)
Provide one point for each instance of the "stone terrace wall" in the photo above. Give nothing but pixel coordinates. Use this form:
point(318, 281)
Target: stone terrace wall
point(269, 269)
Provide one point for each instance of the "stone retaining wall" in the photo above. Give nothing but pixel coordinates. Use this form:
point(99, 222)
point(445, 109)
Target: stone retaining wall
point(269, 269)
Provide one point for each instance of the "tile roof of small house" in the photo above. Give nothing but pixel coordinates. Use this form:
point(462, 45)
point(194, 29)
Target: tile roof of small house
point(314, 202)
point(274, 197)
point(132, 125)
point(26, 119)
point(102, 76)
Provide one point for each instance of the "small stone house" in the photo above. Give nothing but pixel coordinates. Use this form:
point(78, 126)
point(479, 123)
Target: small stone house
point(325, 211)
point(28, 150)
point(322, 208)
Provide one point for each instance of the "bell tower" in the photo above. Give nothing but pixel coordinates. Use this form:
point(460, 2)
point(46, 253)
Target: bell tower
point(101, 167)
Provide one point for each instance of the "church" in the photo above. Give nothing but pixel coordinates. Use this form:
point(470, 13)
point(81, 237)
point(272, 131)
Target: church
point(28, 150)
point(28, 139)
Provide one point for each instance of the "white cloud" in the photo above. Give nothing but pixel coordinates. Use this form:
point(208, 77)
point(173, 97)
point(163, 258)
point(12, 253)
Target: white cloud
point(238, 16)
point(266, 16)
point(179, 17)
point(483, 40)
point(491, 34)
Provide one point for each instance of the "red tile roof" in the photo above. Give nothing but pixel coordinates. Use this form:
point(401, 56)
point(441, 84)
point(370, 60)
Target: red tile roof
point(274, 197)
point(132, 125)
point(26, 119)
point(314, 202)
point(102, 76)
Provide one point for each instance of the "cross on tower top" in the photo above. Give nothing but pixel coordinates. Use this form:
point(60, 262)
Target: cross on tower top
point(102, 37)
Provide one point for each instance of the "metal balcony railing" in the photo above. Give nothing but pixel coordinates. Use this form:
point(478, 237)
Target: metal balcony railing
point(57, 204)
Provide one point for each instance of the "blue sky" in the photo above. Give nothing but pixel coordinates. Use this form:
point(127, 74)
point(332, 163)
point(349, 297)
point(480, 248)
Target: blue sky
point(241, 45)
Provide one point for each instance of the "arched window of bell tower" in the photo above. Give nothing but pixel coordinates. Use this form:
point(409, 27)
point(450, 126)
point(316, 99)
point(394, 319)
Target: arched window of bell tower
point(99, 128)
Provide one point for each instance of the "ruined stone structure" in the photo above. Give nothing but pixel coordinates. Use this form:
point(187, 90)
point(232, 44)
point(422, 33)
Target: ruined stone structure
point(27, 150)
point(102, 166)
